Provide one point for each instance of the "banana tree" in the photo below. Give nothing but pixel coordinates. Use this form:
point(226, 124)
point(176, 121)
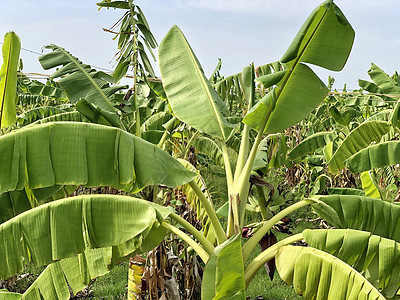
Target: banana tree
point(133, 34)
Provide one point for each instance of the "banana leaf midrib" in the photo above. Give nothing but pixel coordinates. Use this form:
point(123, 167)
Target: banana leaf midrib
point(103, 95)
point(202, 77)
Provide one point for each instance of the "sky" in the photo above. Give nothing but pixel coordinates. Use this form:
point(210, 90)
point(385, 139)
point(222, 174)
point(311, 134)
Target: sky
point(237, 31)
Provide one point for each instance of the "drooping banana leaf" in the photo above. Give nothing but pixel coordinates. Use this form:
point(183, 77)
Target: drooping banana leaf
point(72, 153)
point(370, 86)
point(383, 81)
point(63, 228)
point(95, 114)
point(377, 258)
point(79, 271)
point(8, 79)
point(186, 86)
point(360, 213)
point(325, 40)
point(369, 185)
point(223, 276)
point(310, 144)
point(12, 204)
point(80, 80)
point(357, 140)
point(315, 274)
point(375, 156)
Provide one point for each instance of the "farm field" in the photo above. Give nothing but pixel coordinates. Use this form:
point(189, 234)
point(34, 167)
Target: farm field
point(264, 184)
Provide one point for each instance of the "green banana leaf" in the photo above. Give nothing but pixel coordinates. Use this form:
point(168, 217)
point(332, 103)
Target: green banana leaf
point(360, 213)
point(37, 88)
point(369, 86)
point(208, 147)
point(12, 204)
point(190, 94)
point(63, 228)
point(378, 259)
point(72, 153)
point(357, 140)
point(80, 80)
point(8, 79)
point(38, 113)
point(386, 84)
point(325, 40)
point(79, 271)
point(223, 276)
point(156, 121)
point(369, 186)
point(4, 294)
point(310, 144)
point(315, 274)
point(95, 114)
point(375, 156)
point(338, 117)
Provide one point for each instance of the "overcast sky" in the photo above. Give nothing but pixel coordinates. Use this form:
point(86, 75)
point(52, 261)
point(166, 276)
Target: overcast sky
point(237, 31)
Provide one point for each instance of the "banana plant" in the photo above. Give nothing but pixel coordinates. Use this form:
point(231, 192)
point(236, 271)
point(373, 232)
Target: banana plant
point(67, 154)
point(133, 33)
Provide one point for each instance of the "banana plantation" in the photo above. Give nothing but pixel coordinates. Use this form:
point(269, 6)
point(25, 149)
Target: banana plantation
point(196, 182)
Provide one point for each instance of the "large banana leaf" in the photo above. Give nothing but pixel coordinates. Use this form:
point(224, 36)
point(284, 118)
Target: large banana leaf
point(310, 144)
point(80, 80)
point(8, 79)
point(377, 258)
point(223, 276)
point(63, 228)
point(190, 94)
point(79, 271)
point(361, 213)
point(357, 140)
point(71, 153)
point(318, 275)
point(325, 40)
point(375, 156)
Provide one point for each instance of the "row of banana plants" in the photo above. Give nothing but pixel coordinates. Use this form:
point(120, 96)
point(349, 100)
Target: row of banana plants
point(80, 238)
